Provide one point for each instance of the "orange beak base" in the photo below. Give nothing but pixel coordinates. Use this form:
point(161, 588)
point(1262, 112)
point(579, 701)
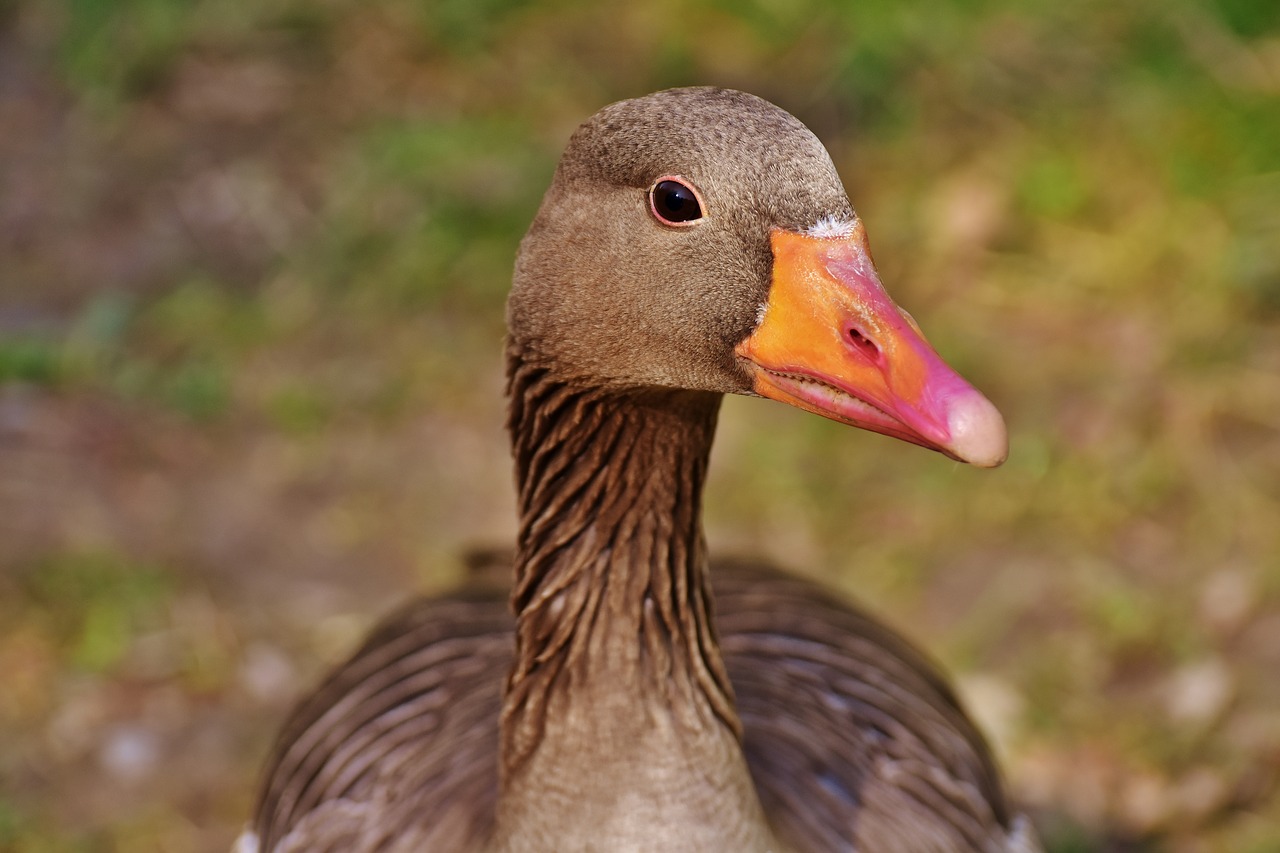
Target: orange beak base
point(832, 342)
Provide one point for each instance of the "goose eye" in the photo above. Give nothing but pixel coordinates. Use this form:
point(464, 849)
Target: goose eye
point(675, 202)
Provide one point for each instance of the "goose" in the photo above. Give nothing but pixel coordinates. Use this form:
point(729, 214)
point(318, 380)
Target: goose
point(693, 243)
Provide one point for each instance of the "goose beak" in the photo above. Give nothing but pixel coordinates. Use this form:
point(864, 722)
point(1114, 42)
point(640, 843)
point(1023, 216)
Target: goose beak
point(832, 342)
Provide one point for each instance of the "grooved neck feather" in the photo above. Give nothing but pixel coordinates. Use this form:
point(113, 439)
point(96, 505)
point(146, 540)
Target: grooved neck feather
point(618, 703)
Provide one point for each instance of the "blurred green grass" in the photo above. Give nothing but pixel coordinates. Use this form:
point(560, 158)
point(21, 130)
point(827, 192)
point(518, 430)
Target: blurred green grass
point(251, 281)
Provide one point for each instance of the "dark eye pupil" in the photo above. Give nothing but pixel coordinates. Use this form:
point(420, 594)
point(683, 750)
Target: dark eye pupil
point(675, 202)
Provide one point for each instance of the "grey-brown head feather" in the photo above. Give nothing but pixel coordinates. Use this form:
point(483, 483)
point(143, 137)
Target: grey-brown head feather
point(603, 290)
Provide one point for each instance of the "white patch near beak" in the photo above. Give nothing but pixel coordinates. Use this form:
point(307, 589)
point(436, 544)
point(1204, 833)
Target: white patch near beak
point(832, 227)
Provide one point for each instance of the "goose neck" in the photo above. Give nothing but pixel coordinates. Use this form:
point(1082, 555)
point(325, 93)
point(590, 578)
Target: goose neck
point(617, 665)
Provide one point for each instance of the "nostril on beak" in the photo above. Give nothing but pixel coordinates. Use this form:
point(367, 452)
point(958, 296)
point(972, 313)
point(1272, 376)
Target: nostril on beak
point(864, 344)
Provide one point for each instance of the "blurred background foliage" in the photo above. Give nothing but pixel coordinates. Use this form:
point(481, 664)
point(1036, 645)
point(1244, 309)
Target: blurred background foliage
point(252, 263)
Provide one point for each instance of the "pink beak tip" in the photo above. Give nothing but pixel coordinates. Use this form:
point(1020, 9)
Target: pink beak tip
point(978, 433)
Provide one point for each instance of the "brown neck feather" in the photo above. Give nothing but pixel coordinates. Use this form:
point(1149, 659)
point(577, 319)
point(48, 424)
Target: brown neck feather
point(618, 712)
point(611, 570)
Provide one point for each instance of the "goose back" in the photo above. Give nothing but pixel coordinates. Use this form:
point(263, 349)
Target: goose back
point(854, 739)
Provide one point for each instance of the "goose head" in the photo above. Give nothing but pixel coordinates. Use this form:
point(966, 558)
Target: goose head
point(701, 239)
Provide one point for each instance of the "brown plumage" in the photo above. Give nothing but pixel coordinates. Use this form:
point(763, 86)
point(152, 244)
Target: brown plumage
point(628, 719)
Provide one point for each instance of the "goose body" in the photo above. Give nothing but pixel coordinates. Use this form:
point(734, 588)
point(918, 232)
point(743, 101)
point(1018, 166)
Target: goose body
point(694, 242)
point(854, 739)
